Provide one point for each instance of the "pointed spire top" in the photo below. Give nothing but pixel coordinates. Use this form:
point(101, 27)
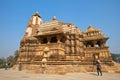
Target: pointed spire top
point(54, 18)
point(37, 14)
point(90, 26)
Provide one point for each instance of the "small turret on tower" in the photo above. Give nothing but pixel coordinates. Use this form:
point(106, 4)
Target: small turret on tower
point(36, 19)
point(33, 24)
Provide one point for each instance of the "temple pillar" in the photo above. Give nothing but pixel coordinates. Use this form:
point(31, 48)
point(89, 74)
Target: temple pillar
point(67, 42)
point(67, 48)
point(73, 51)
point(94, 43)
point(48, 39)
point(104, 44)
point(39, 41)
point(72, 45)
point(58, 39)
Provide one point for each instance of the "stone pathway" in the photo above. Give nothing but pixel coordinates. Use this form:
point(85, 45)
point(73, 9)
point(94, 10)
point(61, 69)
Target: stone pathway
point(22, 75)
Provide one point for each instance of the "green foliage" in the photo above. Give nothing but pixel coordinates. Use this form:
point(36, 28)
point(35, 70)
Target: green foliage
point(12, 59)
point(116, 57)
point(2, 62)
point(9, 60)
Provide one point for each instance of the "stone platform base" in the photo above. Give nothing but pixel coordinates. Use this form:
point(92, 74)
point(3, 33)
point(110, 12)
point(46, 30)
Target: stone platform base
point(62, 69)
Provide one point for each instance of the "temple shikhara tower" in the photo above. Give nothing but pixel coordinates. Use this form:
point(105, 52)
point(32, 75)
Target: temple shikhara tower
point(54, 44)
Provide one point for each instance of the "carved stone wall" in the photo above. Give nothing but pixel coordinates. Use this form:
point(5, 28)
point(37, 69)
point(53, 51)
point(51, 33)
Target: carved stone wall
point(65, 41)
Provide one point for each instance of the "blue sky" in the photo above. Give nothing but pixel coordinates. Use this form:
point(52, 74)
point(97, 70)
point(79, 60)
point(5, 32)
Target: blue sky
point(14, 16)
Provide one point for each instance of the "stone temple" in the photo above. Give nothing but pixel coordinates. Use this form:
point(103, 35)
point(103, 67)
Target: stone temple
point(60, 46)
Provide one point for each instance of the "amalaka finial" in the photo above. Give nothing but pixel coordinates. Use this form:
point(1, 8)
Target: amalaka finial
point(54, 18)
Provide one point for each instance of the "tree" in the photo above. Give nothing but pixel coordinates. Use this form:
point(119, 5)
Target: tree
point(2, 62)
point(116, 57)
point(16, 55)
point(12, 59)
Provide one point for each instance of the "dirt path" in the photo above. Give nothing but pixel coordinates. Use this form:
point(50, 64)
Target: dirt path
point(22, 75)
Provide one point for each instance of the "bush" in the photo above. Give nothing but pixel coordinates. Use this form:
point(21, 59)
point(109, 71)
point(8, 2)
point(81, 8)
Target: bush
point(2, 63)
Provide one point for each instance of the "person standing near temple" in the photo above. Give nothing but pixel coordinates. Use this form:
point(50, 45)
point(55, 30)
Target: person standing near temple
point(20, 66)
point(98, 67)
point(6, 66)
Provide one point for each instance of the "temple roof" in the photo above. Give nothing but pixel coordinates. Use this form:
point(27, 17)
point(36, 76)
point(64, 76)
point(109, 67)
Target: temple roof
point(91, 28)
point(25, 39)
point(49, 33)
point(92, 32)
point(55, 25)
point(95, 38)
point(49, 26)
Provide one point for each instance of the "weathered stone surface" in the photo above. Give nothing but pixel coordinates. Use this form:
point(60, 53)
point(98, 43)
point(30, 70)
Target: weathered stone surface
point(61, 45)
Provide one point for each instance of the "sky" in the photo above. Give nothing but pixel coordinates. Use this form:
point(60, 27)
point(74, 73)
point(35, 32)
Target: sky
point(15, 14)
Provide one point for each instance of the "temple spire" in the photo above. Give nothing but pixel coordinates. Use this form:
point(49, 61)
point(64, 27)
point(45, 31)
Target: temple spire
point(36, 19)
